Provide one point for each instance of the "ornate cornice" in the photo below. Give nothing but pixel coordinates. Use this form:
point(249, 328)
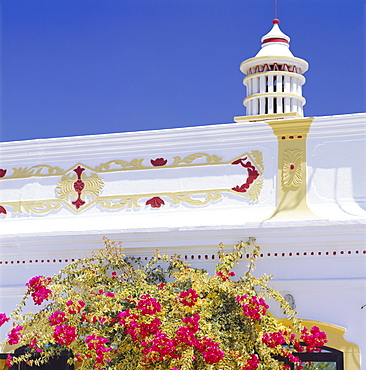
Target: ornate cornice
point(81, 186)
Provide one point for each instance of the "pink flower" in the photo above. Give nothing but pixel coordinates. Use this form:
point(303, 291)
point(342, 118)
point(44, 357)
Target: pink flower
point(14, 335)
point(252, 363)
point(273, 340)
point(33, 344)
point(155, 202)
point(148, 305)
point(97, 343)
point(225, 274)
point(161, 286)
point(3, 319)
point(75, 307)
point(9, 362)
point(65, 334)
point(313, 339)
point(210, 350)
point(109, 294)
point(159, 162)
point(58, 317)
point(37, 287)
point(253, 307)
point(188, 298)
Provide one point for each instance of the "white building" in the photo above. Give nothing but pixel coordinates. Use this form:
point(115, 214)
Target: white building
point(295, 183)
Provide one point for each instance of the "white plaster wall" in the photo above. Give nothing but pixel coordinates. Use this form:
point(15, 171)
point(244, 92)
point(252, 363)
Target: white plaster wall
point(336, 158)
point(321, 262)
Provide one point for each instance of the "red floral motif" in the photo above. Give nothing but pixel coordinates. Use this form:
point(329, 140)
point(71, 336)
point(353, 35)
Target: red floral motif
point(79, 170)
point(252, 175)
point(158, 162)
point(2, 210)
point(78, 186)
point(155, 202)
point(2, 172)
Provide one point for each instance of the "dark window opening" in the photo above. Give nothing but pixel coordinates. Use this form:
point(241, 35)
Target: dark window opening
point(327, 359)
point(58, 362)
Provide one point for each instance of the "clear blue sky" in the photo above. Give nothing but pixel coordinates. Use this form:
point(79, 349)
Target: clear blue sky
point(78, 67)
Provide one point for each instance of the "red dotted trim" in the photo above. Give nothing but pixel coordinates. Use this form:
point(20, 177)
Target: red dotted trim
point(291, 137)
point(207, 257)
point(37, 261)
point(326, 253)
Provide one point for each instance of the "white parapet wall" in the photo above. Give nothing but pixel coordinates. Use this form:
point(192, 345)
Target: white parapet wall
point(186, 190)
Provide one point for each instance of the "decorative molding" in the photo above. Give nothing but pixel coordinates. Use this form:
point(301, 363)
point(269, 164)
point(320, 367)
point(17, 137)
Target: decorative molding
point(35, 171)
point(198, 256)
point(137, 164)
point(80, 187)
point(291, 171)
point(44, 170)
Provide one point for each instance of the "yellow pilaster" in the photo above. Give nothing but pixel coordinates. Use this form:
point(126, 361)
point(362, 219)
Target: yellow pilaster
point(291, 183)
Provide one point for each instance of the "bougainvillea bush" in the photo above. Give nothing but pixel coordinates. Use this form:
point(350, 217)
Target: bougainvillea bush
point(112, 312)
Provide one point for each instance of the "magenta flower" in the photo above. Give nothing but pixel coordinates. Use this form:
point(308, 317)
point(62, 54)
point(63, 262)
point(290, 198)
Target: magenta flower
point(188, 298)
point(252, 363)
point(65, 334)
point(9, 362)
point(37, 287)
point(3, 319)
point(58, 317)
point(253, 307)
point(225, 274)
point(97, 343)
point(14, 335)
point(148, 305)
point(75, 307)
point(273, 340)
point(313, 339)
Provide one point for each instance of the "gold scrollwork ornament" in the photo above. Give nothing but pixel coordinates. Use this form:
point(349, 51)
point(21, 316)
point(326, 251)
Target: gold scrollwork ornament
point(291, 171)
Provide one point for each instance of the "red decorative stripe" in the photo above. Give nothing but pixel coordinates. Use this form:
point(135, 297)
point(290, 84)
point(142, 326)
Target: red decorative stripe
point(274, 39)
